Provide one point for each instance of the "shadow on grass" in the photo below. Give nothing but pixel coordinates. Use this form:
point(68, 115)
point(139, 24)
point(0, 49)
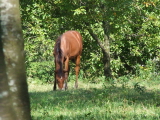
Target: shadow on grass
point(81, 99)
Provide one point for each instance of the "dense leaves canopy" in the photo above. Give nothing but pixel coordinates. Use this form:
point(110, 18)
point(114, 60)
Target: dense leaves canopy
point(132, 26)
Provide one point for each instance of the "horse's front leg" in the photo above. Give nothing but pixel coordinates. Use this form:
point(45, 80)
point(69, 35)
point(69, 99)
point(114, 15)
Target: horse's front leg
point(66, 70)
point(77, 70)
point(55, 86)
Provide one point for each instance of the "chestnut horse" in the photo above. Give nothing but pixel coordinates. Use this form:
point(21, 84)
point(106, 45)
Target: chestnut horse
point(68, 46)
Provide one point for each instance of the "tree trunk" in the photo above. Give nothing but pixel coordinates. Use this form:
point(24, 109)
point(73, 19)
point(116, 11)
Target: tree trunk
point(105, 46)
point(106, 62)
point(106, 50)
point(6, 111)
point(13, 48)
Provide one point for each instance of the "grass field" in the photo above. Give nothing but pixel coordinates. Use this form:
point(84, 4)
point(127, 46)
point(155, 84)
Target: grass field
point(132, 100)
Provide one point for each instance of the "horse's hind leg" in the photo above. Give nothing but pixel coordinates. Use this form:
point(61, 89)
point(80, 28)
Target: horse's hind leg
point(77, 70)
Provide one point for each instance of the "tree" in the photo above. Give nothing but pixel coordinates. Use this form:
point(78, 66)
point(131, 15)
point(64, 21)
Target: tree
point(14, 97)
point(5, 102)
point(127, 31)
point(117, 35)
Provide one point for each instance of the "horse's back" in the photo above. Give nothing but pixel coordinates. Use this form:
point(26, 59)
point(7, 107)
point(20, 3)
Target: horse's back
point(71, 43)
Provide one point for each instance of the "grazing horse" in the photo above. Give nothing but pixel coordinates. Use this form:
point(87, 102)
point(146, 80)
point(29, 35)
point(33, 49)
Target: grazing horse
point(68, 46)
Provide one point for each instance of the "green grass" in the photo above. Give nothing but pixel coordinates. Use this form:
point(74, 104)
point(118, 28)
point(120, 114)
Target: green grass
point(132, 100)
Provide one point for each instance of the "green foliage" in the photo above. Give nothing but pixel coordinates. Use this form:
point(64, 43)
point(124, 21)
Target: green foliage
point(149, 71)
point(133, 39)
point(144, 74)
point(139, 88)
point(40, 72)
point(134, 30)
point(91, 63)
point(38, 30)
point(80, 10)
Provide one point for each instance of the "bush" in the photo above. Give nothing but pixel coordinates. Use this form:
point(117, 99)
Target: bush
point(40, 72)
point(148, 71)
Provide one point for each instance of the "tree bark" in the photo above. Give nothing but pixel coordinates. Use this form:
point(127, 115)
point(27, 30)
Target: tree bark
point(105, 46)
point(13, 49)
point(6, 111)
point(106, 50)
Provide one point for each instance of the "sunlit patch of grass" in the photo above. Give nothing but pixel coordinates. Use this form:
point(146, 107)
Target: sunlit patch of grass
point(102, 101)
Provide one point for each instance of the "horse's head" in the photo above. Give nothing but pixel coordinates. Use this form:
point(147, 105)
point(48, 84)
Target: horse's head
point(60, 79)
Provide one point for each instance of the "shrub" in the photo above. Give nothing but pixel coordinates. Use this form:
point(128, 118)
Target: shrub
point(40, 72)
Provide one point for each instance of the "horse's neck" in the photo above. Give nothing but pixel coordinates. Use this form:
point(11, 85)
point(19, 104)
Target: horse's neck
point(59, 66)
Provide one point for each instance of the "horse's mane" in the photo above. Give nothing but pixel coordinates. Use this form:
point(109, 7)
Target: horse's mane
point(58, 50)
point(58, 54)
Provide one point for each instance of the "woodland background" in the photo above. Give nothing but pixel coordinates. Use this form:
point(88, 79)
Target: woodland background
point(120, 37)
point(119, 76)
